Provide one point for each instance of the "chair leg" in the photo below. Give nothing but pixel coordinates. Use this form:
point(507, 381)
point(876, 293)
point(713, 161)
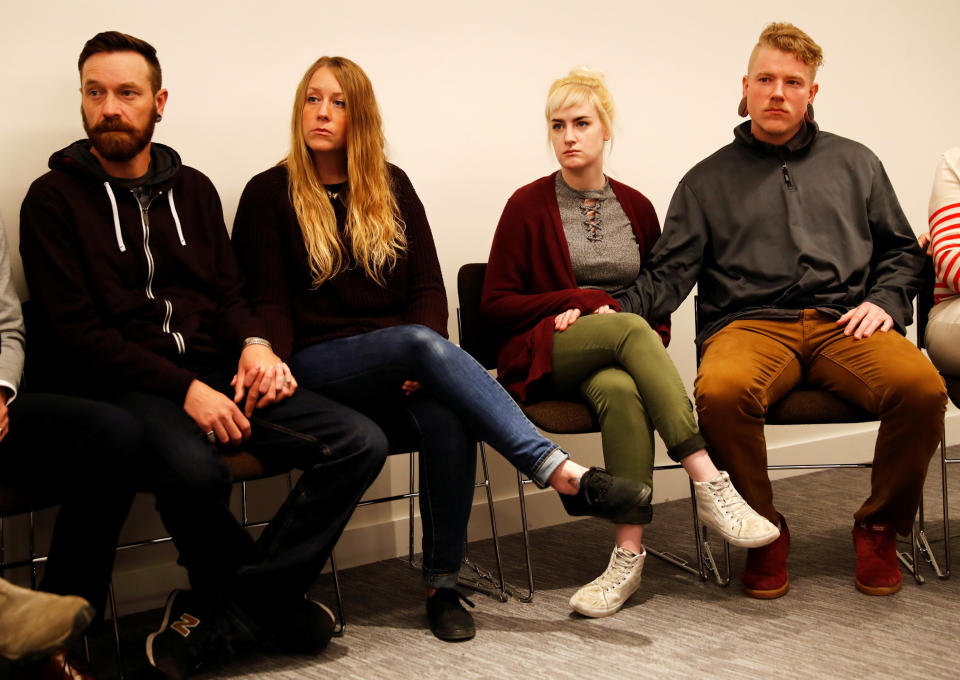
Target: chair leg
point(116, 629)
point(525, 529)
point(33, 551)
point(946, 506)
point(499, 585)
point(413, 490)
point(708, 564)
point(338, 594)
point(923, 545)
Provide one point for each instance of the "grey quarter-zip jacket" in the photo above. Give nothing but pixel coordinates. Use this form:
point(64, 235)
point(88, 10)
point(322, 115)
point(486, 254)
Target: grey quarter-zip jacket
point(766, 231)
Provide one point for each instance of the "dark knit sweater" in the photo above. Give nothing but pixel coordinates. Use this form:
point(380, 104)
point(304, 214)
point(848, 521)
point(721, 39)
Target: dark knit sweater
point(530, 279)
point(270, 247)
point(125, 297)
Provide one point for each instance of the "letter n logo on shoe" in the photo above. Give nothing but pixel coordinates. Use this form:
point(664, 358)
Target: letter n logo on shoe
point(185, 624)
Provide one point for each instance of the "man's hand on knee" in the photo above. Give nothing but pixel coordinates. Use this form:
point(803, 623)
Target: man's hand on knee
point(864, 319)
point(216, 415)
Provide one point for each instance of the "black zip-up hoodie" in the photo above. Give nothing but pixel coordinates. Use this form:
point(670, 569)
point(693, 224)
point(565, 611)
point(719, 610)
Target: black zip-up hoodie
point(134, 283)
point(766, 231)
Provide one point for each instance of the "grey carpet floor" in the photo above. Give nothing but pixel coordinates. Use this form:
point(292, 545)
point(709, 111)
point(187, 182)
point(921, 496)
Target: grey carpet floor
point(675, 626)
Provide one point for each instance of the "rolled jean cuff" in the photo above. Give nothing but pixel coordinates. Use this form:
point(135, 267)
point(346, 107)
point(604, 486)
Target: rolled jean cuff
point(549, 465)
point(441, 580)
point(686, 447)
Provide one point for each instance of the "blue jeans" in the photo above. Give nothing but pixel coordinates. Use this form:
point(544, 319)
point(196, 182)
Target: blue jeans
point(339, 451)
point(459, 403)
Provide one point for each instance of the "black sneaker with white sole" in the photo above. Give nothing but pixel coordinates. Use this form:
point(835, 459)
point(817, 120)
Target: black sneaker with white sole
point(189, 639)
point(619, 500)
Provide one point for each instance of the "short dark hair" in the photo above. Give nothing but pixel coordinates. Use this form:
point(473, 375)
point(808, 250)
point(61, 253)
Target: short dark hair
point(115, 41)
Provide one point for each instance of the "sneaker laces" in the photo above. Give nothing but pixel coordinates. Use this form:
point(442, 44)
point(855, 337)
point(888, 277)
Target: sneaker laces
point(621, 566)
point(729, 501)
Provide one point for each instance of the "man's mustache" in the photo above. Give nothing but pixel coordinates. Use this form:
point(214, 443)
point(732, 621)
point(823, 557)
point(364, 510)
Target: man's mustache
point(112, 125)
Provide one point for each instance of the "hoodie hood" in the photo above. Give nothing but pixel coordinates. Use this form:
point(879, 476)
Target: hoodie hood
point(164, 166)
point(77, 158)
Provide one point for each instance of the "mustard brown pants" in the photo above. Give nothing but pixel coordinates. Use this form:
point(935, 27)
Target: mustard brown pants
point(751, 364)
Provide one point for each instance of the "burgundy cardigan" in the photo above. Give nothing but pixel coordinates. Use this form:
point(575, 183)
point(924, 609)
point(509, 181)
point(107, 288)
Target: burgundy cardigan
point(530, 280)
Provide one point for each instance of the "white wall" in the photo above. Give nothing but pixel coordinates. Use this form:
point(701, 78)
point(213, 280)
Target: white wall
point(462, 89)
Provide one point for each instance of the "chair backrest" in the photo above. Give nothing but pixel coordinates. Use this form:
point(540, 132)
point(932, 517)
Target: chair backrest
point(474, 339)
point(925, 300)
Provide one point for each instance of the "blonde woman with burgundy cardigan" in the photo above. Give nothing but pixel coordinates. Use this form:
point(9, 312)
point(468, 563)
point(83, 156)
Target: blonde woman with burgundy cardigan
point(564, 246)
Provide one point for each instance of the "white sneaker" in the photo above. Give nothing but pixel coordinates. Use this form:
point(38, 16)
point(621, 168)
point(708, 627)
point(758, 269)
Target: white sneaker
point(722, 508)
point(605, 594)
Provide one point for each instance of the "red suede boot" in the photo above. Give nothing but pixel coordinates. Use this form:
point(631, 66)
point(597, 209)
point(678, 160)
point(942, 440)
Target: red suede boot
point(878, 572)
point(765, 575)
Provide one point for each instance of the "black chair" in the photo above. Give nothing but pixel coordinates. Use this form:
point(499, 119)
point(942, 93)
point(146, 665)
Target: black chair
point(808, 405)
point(924, 305)
point(553, 416)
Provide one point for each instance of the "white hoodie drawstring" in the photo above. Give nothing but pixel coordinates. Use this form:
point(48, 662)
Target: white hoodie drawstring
point(116, 217)
point(176, 217)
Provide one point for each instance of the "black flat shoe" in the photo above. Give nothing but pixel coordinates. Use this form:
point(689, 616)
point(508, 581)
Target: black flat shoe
point(619, 500)
point(448, 619)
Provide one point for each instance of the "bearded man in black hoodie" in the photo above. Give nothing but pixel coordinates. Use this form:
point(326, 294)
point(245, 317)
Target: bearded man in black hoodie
point(139, 304)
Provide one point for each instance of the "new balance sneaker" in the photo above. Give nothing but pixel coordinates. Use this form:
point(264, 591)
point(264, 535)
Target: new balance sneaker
point(878, 572)
point(34, 623)
point(302, 626)
point(189, 638)
point(765, 574)
point(448, 619)
point(722, 508)
point(619, 500)
point(605, 594)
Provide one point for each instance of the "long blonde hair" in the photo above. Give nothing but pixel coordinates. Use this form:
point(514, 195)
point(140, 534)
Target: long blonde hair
point(374, 225)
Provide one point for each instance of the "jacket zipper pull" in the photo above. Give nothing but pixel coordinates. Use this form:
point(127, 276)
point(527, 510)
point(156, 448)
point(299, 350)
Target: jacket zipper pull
point(786, 175)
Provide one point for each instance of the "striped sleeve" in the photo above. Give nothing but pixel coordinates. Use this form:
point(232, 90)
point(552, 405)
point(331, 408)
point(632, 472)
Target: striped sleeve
point(944, 225)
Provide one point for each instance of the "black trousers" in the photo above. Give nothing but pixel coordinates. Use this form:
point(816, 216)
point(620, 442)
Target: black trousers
point(83, 454)
point(339, 451)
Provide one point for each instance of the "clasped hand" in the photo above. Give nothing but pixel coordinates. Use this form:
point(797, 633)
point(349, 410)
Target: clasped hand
point(566, 319)
point(261, 379)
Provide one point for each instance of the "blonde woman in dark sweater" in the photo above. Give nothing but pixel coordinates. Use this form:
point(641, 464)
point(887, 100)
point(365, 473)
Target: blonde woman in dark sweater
point(342, 267)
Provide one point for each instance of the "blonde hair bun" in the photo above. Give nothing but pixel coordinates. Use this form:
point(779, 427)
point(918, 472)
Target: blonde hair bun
point(582, 85)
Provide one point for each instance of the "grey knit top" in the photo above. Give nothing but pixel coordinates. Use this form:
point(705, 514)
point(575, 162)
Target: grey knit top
point(603, 248)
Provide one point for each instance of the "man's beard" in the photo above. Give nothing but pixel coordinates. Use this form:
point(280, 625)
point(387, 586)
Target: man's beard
point(117, 141)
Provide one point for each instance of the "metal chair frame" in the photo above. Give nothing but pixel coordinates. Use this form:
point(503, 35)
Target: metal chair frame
point(34, 559)
point(924, 305)
point(482, 576)
point(469, 283)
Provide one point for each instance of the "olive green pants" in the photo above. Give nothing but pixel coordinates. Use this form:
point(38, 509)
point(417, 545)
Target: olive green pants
point(618, 364)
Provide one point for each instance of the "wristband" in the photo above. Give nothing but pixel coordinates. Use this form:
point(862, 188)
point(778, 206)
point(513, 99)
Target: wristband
point(258, 341)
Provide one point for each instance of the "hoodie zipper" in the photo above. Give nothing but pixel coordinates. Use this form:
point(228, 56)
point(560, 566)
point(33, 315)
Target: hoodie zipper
point(168, 315)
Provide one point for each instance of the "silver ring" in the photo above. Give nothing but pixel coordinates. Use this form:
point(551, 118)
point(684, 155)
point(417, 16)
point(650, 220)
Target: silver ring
point(211, 437)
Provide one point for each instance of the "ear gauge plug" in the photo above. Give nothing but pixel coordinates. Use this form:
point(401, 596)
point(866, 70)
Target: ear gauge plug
point(742, 108)
point(808, 116)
